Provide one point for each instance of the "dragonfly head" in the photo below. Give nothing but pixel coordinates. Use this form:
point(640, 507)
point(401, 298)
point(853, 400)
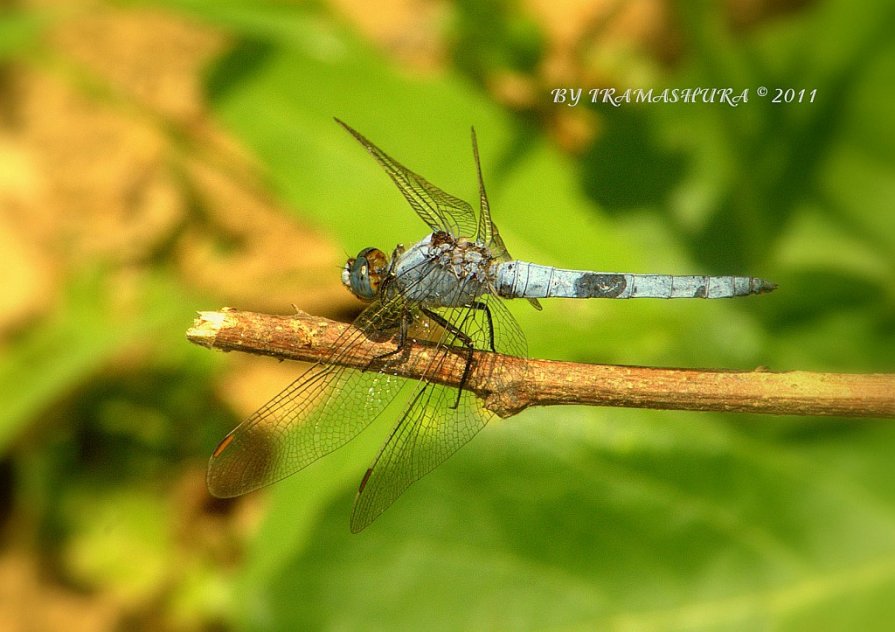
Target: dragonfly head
point(364, 273)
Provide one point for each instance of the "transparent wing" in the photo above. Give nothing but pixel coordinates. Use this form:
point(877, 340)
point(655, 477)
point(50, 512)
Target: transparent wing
point(440, 210)
point(327, 406)
point(429, 433)
point(323, 409)
point(436, 423)
point(487, 233)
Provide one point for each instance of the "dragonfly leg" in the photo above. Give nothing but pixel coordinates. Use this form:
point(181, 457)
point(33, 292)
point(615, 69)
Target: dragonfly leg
point(484, 307)
point(381, 360)
point(460, 335)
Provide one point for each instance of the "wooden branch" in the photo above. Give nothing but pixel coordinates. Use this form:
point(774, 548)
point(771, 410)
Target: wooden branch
point(508, 384)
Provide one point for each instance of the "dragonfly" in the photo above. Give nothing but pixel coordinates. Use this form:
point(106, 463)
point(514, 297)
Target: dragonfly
point(448, 291)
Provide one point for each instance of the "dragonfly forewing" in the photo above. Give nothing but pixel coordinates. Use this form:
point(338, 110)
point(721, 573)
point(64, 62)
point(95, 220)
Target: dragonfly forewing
point(327, 406)
point(440, 210)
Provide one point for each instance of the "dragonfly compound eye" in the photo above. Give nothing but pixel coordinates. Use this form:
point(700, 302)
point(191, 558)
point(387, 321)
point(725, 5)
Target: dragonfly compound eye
point(365, 273)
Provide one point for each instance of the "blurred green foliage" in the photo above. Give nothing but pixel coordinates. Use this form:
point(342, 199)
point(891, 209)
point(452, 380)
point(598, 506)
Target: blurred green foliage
point(559, 518)
point(494, 36)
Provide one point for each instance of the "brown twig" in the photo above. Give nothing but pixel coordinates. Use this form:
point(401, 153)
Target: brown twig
point(509, 384)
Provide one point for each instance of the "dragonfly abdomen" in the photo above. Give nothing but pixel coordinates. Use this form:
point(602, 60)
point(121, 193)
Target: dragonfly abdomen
point(520, 279)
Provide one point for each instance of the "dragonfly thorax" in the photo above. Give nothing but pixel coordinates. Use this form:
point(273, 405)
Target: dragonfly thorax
point(363, 274)
point(444, 271)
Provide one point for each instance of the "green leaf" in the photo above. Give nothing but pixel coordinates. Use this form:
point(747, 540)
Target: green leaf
point(630, 520)
point(20, 30)
point(60, 352)
point(54, 355)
